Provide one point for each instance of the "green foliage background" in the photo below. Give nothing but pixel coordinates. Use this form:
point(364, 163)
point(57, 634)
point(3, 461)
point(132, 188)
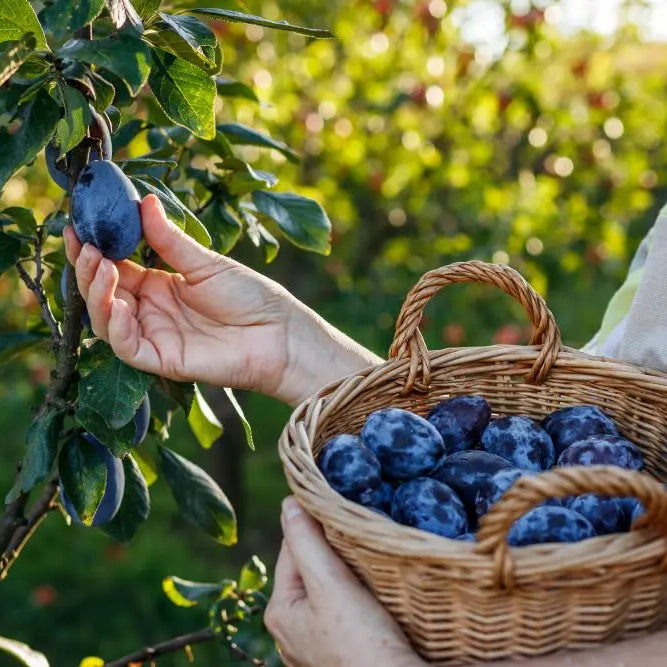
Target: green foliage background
point(551, 157)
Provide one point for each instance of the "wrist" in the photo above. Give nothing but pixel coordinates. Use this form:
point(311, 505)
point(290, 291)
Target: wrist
point(316, 354)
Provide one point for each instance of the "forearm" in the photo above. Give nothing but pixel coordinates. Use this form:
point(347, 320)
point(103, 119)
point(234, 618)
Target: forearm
point(317, 354)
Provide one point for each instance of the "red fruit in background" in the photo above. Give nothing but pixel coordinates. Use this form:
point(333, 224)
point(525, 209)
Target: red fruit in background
point(596, 100)
point(44, 596)
point(383, 6)
point(579, 68)
point(115, 552)
point(504, 100)
point(528, 20)
point(375, 181)
point(418, 94)
point(453, 334)
point(509, 334)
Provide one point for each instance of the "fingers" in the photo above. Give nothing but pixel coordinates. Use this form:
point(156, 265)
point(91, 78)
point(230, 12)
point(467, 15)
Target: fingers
point(72, 245)
point(315, 560)
point(100, 294)
point(174, 246)
point(127, 342)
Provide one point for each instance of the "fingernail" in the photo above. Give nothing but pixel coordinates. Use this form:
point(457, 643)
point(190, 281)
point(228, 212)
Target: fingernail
point(291, 508)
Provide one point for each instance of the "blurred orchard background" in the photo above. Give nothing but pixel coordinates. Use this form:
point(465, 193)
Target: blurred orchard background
point(531, 133)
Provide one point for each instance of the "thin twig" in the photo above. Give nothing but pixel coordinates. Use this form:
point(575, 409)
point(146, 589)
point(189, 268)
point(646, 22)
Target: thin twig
point(35, 286)
point(45, 503)
point(12, 519)
point(171, 646)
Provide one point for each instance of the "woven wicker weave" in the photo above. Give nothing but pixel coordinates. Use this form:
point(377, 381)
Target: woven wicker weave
point(461, 602)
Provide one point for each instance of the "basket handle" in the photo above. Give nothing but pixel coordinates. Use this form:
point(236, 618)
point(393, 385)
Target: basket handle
point(530, 491)
point(409, 344)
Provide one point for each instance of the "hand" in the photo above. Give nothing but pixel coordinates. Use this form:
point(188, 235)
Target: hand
point(215, 320)
point(321, 615)
point(319, 612)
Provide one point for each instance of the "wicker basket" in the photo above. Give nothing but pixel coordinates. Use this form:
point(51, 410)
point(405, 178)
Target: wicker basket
point(460, 602)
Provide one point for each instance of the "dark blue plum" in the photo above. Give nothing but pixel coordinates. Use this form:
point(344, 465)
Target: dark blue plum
point(105, 210)
point(59, 176)
point(113, 493)
point(605, 513)
point(142, 418)
point(85, 318)
point(569, 425)
point(610, 450)
point(460, 421)
point(493, 488)
point(100, 130)
point(520, 441)
point(549, 524)
point(633, 509)
point(406, 445)
point(466, 537)
point(382, 497)
point(429, 505)
point(350, 468)
point(466, 472)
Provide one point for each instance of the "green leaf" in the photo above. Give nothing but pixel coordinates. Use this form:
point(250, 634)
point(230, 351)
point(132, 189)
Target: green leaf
point(260, 236)
point(23, 653)
point(14, 54)
point(242, 134)
point(188, 38)
point(240, 17)
point(239, 411)
point(39, 118)
point(253, 576)
point(62, 17)
point(231, 88)
point(17, 18)
point(79, 76)
point(110, 387)
point(23, 217)
point(83, 475)
point(119, 441)
point(104, 91)
point(184, 92)
point(10, 251)
point(174, 208)
point(122, 12)
point(225, 228)
point(71, 129)
point(184, 593)
point(203, 422)
point(125, 56)
point(146, 464)
point(139, 164)
point(135, 506)
point(12, 342)
point(127, 132)
point(146, 8)
point(42, 448)
point(302, 220)
point(198, 497)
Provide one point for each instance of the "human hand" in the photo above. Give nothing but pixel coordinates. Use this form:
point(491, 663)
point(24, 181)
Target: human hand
point(214, 320)
point(319, 613)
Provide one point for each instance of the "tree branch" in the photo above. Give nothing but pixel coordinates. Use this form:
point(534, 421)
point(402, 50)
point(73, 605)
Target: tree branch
point(171, 646)
point(25, 530)
point(35, 286)
point(12, 519)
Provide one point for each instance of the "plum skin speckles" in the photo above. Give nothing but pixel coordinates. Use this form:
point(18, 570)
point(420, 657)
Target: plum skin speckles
point(405, 444)
point(605, 513)
point(521, 441)
point(603, 450)
point(571, 424)
point(549, 524)
point(460, 421)
point(351, 468)
point(429, 505)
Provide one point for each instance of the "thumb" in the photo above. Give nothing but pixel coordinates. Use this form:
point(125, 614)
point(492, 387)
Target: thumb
point(317, 563)
point(172, 244)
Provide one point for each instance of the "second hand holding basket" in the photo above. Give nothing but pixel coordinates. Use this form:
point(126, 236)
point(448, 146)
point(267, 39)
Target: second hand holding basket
point(461, 602)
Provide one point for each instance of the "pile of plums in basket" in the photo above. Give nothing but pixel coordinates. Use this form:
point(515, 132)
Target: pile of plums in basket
point(442, 473)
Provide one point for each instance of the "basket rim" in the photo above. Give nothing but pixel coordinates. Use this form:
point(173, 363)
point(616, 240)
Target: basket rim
point(382, 536)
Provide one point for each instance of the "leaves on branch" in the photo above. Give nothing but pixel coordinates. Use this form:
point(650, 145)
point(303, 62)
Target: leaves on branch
point(198, 497)
point(17, 17)
point(203, 422)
